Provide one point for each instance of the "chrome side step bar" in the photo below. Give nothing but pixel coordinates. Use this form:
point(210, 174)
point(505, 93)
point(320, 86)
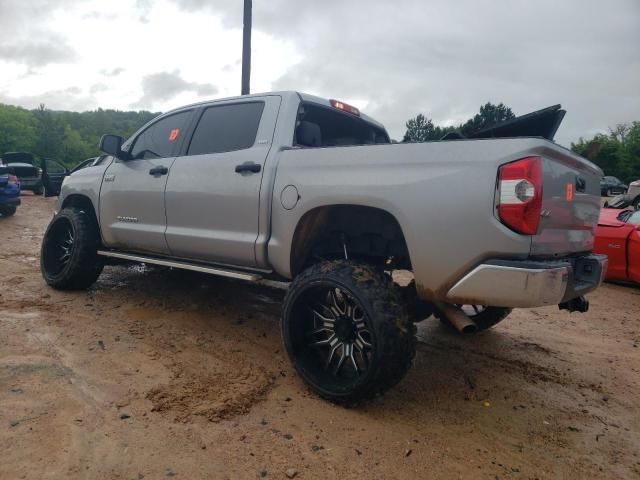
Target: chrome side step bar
point(251, 277)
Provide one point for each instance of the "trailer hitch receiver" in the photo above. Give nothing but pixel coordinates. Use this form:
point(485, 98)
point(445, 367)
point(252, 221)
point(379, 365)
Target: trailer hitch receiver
point(579, 304)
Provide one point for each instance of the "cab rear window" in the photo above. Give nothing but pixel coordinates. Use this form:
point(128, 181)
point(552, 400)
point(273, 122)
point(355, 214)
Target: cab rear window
point(321, 126)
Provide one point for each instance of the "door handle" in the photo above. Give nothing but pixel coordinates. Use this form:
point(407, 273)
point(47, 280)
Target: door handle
point(159, 170)
point(248, 167)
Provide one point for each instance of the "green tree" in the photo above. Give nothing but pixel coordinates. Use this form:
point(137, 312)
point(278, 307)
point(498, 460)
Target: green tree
point(17, 129)
point(50, 131)
point(69, 137)
point(422, 129)
point(489, 115)
point(616, 153)
point(73, 148)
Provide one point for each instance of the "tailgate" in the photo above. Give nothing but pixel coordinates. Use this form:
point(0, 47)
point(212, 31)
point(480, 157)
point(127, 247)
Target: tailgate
point(570, 204)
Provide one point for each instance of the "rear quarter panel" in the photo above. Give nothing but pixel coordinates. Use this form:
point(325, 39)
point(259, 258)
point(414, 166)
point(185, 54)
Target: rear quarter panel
point(441, 193)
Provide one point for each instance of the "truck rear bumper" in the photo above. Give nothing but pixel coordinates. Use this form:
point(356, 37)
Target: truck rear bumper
point(518, 284)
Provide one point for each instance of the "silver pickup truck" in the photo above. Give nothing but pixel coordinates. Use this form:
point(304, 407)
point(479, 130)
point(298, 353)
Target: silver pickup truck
point(293, 187)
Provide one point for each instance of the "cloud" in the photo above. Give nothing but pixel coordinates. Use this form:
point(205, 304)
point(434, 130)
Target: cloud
point(97, 15)
point(444, 59)
point(63, 99)
point(144, 8)
point(391, 59)
point(27, 38)
point(97, 88)
point(113, 72)
point(37, 53)
point(164, 86)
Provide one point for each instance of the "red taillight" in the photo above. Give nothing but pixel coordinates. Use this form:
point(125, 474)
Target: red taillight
point(520, 194)
point(345, 107)
point(13, 179)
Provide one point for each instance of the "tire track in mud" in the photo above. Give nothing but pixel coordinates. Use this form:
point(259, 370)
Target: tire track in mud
point(531, 371)
point(209, 378)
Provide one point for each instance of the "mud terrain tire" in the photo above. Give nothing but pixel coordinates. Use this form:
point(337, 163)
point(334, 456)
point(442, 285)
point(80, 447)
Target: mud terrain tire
point(68, 257)
point(379, 330)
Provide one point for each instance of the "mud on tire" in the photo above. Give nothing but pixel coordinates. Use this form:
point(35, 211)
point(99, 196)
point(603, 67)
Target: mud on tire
point(346, 331)
point(68, 256)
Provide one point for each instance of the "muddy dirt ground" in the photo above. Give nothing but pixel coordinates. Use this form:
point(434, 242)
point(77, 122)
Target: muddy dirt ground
point(155, 373)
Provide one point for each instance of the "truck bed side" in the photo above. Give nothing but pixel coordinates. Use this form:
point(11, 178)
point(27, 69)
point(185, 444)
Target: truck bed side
point(441, 193)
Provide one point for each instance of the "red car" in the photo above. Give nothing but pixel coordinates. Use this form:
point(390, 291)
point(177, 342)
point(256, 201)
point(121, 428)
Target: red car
point(618, 237)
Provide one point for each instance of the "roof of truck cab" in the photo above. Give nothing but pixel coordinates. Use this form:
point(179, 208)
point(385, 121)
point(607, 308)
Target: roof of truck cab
point(305, 97)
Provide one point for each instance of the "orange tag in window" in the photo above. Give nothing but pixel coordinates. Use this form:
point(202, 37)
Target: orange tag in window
point(173, 136)
point(569, 195)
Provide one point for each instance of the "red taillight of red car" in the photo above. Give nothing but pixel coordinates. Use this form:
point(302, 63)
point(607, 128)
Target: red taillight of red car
point(520, 194)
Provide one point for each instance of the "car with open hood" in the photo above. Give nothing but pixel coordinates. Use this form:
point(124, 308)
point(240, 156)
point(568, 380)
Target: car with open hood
point(44, 176)
point(23, 165)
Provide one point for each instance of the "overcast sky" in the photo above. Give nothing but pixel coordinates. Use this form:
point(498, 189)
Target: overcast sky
point(392, 59)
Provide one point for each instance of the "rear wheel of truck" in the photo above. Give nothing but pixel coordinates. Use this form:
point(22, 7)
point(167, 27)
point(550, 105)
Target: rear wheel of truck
point(38, 191)
point(68, 257)
point(346, 331)
point(483, 317)
point(7, 210)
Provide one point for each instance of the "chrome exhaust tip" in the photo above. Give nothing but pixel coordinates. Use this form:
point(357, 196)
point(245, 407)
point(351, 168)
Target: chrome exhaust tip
point(458, 318)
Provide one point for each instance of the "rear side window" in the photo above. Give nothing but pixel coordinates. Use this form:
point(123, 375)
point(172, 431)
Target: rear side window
point(226, 128)
point(159, 139)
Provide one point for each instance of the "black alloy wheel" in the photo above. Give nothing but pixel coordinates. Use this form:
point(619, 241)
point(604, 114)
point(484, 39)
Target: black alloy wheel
point(346, 331)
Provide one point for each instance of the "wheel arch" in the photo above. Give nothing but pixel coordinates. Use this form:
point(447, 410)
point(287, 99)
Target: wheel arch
point(367, 232)
point(82, 202)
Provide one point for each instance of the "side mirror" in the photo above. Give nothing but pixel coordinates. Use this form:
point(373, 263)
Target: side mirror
point(111, 145)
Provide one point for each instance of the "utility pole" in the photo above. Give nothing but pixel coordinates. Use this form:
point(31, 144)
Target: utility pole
point(246, 48)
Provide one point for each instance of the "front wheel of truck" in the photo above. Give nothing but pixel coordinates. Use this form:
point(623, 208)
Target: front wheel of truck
point(68, 257)
point(346, 331)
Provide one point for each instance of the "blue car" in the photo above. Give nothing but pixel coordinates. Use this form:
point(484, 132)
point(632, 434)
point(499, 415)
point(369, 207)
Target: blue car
point(9, 192)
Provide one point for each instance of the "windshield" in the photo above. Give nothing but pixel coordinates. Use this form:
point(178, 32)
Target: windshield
point(634, 218)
